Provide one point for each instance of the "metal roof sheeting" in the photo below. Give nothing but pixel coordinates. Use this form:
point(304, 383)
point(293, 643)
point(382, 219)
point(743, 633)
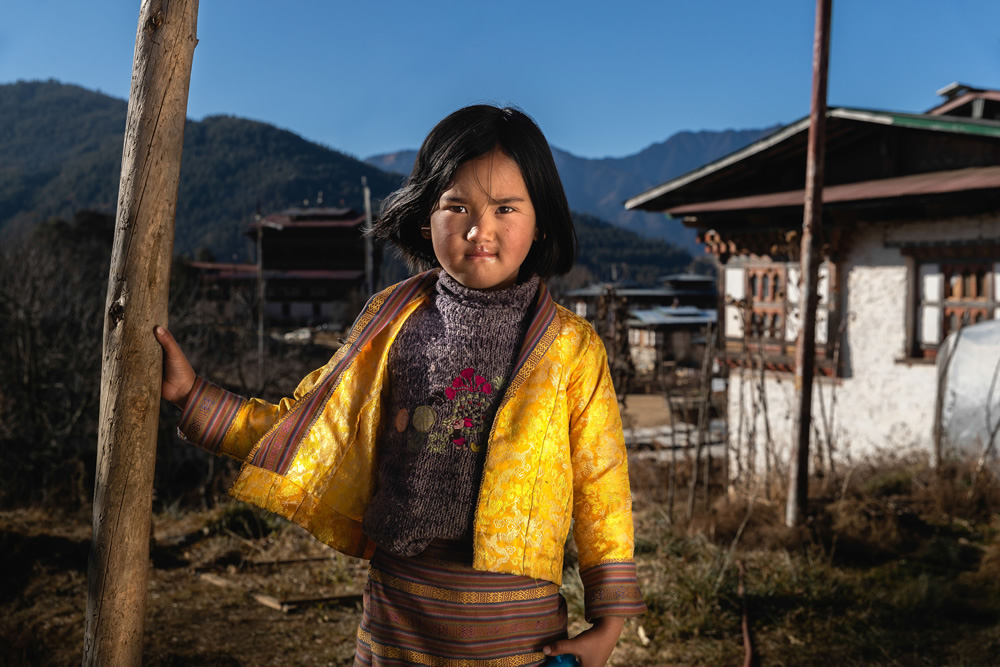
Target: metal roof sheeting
point(648, 292)
point(672, 315)
point(938, 182)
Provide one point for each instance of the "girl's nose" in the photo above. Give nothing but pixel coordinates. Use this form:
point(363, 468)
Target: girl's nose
point(482, 229)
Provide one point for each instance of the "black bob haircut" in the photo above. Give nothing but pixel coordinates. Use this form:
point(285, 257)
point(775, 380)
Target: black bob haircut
point(465, 135)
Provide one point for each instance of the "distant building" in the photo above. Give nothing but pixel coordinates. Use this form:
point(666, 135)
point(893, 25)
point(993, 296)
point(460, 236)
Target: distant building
point(312, 263)
point(910, 250)
point(669, 335)
point(667, 323)
point(682, 289)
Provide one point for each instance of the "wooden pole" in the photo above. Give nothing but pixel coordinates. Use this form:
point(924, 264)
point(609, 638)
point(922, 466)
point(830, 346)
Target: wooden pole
point(369, 244)
point(132, 359)
point(805, 348)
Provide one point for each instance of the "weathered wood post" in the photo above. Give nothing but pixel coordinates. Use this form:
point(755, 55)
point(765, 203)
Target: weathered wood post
point(812, 220)
point(132, 361)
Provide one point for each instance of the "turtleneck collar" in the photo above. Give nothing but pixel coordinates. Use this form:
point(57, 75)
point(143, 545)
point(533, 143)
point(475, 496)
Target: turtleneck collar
point(517, 297)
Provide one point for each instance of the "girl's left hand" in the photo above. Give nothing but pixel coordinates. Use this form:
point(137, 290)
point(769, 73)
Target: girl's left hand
point(592, 647)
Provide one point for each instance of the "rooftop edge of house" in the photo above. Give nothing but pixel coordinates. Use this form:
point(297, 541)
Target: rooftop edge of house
point(933, 182)
point(935, 119)
point(668, 315)
point(301, 218)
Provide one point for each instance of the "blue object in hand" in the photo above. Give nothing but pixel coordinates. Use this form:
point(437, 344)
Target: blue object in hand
point(564, 659)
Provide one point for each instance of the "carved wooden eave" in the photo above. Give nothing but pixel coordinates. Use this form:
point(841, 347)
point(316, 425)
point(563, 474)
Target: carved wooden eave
point(823, 367)
point(775, 244)
point(983, 248)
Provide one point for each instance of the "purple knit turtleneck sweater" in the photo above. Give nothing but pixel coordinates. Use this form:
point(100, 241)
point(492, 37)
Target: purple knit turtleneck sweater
point(448, 369)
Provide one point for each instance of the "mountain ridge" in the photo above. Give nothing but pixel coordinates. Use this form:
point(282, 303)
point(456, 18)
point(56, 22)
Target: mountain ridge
point(60, 153)
point(600, 186)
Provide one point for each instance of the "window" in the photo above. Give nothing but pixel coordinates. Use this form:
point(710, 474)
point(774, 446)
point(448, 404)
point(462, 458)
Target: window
point(772, 310)
point(762, 309)
point(950, 294)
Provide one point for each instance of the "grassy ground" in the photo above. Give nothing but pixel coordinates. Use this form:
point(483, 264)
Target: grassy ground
point(897, 565)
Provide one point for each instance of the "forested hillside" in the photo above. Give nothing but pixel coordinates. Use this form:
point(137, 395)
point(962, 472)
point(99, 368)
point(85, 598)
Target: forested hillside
point(603, 245)
point(60, 153)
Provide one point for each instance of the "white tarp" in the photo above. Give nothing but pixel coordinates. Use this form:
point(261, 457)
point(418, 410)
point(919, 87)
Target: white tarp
point(970, 371)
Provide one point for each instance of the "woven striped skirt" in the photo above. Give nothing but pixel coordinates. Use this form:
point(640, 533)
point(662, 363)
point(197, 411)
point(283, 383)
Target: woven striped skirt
point(434, 609)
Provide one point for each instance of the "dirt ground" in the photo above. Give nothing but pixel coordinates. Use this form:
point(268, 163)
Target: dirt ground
point(200, 609)
point(899, 569)
point(215, 581)
point(645, 410)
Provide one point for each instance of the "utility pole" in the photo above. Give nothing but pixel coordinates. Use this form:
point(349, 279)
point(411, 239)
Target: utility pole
point(369, 247)
point(812, 227)
point(138, 287)
point(260, 302)
point(262, 292)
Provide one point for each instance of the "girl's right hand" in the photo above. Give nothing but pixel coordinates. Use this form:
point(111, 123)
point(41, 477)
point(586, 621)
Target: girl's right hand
point(178, 374)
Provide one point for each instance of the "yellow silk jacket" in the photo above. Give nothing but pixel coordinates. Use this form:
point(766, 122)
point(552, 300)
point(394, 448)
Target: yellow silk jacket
point(555, 451)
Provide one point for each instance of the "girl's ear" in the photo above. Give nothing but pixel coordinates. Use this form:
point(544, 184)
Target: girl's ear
point(425, 231)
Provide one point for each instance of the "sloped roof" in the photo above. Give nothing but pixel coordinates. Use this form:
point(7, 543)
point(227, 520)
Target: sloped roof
point(958, 95)
point(672, 315)
point(936, 182)
point(791, 138)
point(302, 218)
point(635, 292)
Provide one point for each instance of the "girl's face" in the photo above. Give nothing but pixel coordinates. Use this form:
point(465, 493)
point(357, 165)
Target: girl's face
point(484, 223)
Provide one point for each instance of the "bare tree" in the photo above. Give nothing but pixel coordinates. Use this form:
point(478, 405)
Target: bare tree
point(672, 480)
point(51, 279)
point(704, 389)
point(827, 417)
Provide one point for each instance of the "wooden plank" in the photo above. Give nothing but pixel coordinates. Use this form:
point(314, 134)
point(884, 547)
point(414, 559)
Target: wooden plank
point(343, 598)
point(216, 580)
point(270, 601)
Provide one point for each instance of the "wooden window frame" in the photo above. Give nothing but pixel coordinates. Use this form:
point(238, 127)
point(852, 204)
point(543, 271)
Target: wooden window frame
point(968, 293)
point(765, 285)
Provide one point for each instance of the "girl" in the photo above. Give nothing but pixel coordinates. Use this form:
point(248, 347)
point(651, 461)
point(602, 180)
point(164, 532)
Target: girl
point(466, 422)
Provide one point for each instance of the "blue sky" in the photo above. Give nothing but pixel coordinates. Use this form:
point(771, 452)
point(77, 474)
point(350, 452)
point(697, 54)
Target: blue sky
point(601, 78)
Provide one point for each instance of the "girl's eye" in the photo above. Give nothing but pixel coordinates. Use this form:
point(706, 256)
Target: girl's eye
point(456, 208)
point(505, 209)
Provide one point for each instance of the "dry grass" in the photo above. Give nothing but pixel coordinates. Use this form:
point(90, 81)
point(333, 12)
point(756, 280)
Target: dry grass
point(898, 565)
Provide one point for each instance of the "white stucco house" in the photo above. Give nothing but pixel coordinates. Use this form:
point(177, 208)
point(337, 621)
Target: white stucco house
point(911, 249)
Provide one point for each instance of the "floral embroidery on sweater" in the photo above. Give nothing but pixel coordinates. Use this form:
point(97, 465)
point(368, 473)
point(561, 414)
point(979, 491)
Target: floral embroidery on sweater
point(456, 420)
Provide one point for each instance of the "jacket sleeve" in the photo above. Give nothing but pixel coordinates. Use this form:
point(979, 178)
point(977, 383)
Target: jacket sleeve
point(602, 500)
point(222, 422)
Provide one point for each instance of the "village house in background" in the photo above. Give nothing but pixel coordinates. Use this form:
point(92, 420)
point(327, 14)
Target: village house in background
point(312, 264)
point(910, 252)
point(666, 325)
